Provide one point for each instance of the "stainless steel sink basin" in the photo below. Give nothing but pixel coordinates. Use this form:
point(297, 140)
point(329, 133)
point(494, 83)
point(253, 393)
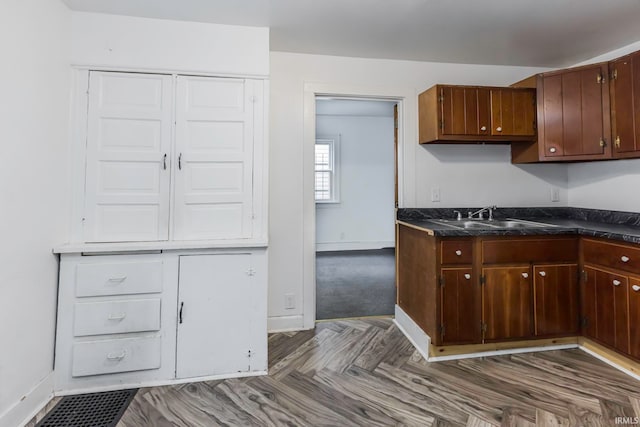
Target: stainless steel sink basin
point(480, 224)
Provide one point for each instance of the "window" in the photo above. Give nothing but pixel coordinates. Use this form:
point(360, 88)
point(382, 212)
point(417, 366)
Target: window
point(326, 179)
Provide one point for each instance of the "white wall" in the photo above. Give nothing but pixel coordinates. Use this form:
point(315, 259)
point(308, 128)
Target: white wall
point(469, 175)
point(34, 83)
point(163, 45)
point(611, 185)
point(364, 217)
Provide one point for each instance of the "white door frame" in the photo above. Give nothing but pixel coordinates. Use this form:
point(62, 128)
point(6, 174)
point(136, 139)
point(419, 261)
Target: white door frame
point(311, 91)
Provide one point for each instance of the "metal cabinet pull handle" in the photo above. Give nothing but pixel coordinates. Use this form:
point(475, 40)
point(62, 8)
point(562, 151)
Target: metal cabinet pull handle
point(180, 161)
point(117, 279)
point(635, 288)
point(180, 313)
point(525, 275)
point(467, 276)
point(117, 316)
point(164, 161)
point(542, 273)
point(458, 252)
point(624, 258)
point(120, 356)
point(616, 282)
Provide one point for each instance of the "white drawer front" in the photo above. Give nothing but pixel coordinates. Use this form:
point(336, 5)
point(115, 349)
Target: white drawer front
point(118, 355)
point(116, 317)
point(118, 278)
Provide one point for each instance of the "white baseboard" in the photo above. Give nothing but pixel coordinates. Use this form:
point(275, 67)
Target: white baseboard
point(353, 246)
point(285, 323)
point(413, 332)
point(29, 405)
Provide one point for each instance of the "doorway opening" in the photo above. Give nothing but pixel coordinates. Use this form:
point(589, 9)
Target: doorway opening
point(355, 183)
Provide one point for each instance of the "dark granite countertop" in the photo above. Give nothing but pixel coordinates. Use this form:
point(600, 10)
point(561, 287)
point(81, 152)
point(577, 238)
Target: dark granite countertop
point(623, 226)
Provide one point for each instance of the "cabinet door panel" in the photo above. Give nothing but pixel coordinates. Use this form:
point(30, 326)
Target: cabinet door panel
point(214, 158)
point(556, 299)
point(128, 142)
point(214, 315)
point(589, 304)
point(634, 317)
point(453, 110)
point(506, 300)
point(612, 326)
point(459, 307)
point(625, 105)
point(552, 107)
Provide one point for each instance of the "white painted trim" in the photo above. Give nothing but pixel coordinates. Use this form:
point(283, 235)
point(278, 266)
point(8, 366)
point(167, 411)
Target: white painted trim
point(123, 386)
point(353, 246)
point(106, 67)
point(78, 135)
point(163, 245)
point(311, 90)
point(609, 362)
point(500, 352)
point(286, 324)
point(413, 332)
point(29, 405)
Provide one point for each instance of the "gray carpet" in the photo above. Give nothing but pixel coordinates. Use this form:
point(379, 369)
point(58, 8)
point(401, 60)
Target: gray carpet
point(355, 283)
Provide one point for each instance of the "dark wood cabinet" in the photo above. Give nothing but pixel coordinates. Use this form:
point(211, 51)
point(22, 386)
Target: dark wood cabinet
point(476, 114)
point(625, 105)
point(506, 303)
point(573, 117)
point(634, 317)
point(555, 289)
point(459, 321)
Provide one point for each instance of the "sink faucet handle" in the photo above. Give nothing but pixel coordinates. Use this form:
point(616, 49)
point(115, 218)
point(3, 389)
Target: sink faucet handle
point(458, 215)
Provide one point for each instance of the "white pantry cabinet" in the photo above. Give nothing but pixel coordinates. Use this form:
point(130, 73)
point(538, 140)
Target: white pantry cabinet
point(172, 157)
point(132, 319)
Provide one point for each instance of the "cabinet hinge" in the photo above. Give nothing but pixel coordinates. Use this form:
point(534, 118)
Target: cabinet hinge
point(603, 143)
point(441, 281)
point(483, 329)
point(618, 142)
point(442, 330)
point(442, 125)
point(600, 79)
point(483, 280)
point(251, 271)
point(584, 322)
point(585, 276)
point(614, 74)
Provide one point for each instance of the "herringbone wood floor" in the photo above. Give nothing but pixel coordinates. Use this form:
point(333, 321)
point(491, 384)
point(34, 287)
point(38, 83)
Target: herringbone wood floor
point(366, 373)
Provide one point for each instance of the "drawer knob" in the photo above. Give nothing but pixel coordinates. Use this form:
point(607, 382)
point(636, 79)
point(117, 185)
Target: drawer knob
point(117, 316)
point(117, 279)
point(483, 128)
point(468, 276)
point(542, 273)
point(552, 149)
point(525, 275)
point(499, 129)
point(458, 252)
point(624, 258)
point(120, 356)
point(616, 282)
point(636, 288)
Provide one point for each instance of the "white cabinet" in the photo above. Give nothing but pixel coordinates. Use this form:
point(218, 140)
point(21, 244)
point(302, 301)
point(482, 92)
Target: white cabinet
point(172, 157)
point(215, 303)
point(135, 319)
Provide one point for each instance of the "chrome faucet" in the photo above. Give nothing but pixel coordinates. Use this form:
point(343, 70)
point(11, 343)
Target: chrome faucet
point(458, 215)
point(479, 212)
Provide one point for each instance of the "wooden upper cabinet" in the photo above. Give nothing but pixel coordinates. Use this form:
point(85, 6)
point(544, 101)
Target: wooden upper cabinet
point(476, 114)
point(573, 112)
point(513, 112)
point(625, 105)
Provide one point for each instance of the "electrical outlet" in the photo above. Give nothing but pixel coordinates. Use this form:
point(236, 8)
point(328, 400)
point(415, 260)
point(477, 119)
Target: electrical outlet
point(289, 301)
point(555, 194)
point(435, 194)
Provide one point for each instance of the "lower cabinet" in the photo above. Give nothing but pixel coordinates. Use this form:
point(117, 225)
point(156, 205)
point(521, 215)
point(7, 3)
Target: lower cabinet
point(130, 320)
point(459, 319)
point(634, 317)
point(506, 303)
point(555, 292)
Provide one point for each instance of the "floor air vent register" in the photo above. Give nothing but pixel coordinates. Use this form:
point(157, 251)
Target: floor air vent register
point(89, 410)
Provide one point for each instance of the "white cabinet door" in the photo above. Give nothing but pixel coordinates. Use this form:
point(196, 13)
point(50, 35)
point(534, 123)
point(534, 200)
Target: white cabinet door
point(214, 158)
point(214, 315)
point(128, 144)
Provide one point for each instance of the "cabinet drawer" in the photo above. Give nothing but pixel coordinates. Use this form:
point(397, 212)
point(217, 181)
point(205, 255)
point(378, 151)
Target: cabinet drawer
point(539, 250)
point(118, 355)
point(118, 278)
point(612, 255)
point(456, 252)
point(116, 317)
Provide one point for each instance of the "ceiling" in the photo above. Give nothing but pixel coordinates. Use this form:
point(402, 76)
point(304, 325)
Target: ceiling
point(545, 33)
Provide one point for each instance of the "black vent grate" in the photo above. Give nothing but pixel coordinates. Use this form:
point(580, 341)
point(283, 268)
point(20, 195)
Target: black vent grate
point(89, 410)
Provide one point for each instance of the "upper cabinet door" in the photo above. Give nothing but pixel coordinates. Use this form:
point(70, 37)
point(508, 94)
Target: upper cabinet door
point(513, 112)
point(464, 110)
point(214, 157)
point(625, 105)
point(574, 110)
point(128, 145)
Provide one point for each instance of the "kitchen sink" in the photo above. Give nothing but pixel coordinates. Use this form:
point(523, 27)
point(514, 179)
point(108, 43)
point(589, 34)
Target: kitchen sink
point(485, 224)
